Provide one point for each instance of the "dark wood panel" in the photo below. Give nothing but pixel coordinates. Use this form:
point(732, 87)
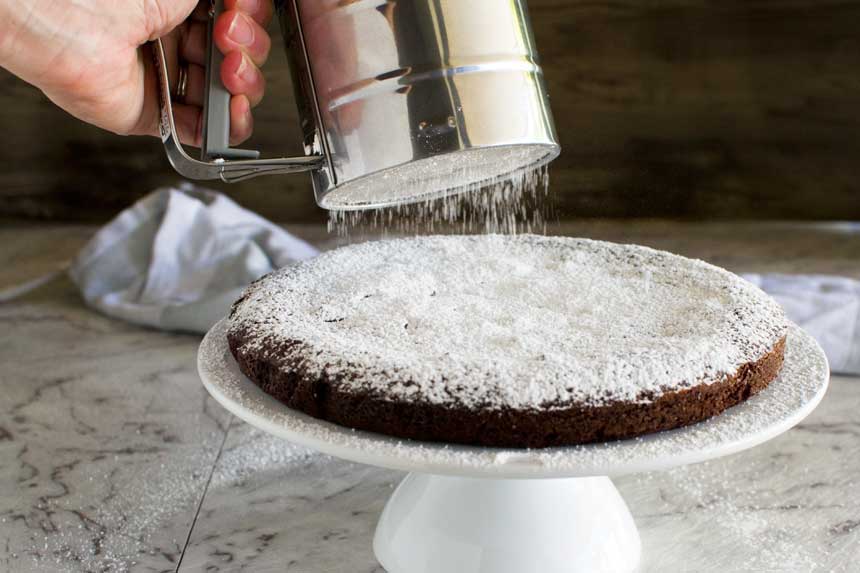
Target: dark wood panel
point(665, 109)
point(705, 108)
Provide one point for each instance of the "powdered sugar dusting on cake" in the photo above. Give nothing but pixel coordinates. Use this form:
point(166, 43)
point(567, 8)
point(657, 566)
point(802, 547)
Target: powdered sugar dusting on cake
point(510, 322)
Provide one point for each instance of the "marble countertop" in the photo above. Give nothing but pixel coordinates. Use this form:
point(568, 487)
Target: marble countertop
point(114, 458)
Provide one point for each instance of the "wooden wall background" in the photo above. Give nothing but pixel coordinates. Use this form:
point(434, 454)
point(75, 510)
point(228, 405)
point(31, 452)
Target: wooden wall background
point(665, 108)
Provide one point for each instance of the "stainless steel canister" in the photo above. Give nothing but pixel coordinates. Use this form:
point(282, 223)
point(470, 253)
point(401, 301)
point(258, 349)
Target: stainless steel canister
point(400, 100)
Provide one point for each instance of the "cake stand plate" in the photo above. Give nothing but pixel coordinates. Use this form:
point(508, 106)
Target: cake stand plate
point(469, 509)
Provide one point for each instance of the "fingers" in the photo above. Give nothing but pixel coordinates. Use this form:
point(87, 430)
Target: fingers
point(189, 122)
point(246, 44)
point(241, 120)
point(241, 77)
point(195, 91)
point(240, 34)
point(236, 31)
point(260, 10)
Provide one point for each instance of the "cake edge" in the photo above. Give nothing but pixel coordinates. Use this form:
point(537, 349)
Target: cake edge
point(326, 399)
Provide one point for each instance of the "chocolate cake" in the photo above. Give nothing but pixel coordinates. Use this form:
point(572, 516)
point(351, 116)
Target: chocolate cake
point(515, 341)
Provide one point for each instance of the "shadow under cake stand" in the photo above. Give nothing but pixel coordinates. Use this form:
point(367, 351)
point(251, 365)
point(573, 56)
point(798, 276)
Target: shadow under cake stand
point(468, 509)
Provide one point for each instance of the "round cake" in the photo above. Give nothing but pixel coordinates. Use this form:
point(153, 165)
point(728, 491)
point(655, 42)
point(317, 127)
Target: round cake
point(513, 341)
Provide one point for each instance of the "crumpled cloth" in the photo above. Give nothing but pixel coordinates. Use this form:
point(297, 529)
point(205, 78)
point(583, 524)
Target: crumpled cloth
point(825, 306)
point(179, 257)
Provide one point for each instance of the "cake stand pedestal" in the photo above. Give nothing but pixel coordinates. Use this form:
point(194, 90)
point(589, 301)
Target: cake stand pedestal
point(440, 523)
point(468, 509)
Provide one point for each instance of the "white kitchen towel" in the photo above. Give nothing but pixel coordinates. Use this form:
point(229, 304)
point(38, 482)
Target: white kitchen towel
point(827, 307)
point(179, 257)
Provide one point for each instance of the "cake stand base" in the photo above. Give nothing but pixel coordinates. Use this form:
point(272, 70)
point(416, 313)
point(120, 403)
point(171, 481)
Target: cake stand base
point(472, 525)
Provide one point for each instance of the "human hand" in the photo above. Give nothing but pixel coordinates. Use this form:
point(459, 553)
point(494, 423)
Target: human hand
point(89, 58)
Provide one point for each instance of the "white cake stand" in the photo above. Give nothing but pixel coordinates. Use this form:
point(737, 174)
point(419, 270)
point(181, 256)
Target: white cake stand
point(487, 510)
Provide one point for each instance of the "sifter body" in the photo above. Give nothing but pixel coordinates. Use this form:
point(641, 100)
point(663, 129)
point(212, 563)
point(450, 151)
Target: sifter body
point(411, 98)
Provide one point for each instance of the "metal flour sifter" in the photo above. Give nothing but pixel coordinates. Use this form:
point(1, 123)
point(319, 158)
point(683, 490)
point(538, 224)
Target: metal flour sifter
point(399, 100)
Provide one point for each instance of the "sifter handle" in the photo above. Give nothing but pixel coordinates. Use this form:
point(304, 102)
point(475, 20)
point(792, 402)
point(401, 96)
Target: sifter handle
point(216, 106)
point(218, 161)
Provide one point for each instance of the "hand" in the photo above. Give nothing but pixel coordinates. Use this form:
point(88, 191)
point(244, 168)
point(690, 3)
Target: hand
point(90, 58)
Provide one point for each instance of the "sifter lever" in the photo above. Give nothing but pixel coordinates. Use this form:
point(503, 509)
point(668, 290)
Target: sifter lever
point(216, 123)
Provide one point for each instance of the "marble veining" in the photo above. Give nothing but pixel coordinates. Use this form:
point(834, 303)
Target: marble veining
point(105, 434)
point(113, 458)
point(294, 511)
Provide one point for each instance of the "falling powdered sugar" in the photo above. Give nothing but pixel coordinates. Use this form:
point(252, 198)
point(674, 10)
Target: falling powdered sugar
point(522, 322)
point(517, 203)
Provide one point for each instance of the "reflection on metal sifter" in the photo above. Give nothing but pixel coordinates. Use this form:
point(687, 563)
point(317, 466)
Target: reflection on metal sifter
point(399, 100)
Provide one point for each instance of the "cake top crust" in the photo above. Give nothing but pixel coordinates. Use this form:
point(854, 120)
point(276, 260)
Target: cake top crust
point(494, 322)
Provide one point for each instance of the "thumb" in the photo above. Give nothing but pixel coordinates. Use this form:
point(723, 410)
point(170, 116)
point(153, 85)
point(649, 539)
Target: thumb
point(162, 16)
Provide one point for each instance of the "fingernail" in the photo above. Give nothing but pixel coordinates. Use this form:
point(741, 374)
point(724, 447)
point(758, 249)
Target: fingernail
point(246, 70)
point(240, 31)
